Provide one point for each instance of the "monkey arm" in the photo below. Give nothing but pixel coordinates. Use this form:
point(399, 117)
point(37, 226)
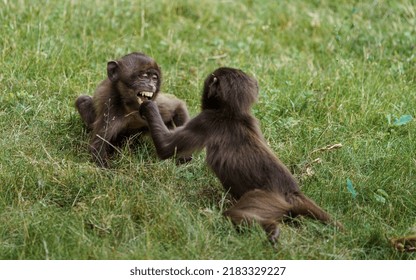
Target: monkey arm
point(183, 140)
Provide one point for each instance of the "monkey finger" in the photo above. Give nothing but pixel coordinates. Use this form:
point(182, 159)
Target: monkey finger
point(143, 107)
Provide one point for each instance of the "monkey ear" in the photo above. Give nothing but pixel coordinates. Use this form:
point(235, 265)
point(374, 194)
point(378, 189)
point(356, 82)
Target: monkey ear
point(213, 87)
point(113, 70)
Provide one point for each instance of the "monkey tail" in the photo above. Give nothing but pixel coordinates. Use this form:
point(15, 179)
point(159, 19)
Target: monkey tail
point(302, 205)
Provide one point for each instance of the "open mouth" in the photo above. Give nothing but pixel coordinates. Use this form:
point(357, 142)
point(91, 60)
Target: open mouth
point(144, 95)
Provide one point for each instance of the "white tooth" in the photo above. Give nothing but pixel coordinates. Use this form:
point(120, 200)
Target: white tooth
point(148, 94)
point(139, 100)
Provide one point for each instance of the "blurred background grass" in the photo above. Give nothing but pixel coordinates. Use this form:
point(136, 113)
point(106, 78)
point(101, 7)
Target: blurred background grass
point(329, 72)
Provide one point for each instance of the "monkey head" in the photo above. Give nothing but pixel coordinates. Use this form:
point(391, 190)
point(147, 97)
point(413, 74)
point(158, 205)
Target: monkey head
point(229, 89)
point(136, 76)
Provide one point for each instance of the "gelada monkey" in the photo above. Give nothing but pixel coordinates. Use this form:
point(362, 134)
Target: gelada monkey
point(265, 190)
point(111, 114)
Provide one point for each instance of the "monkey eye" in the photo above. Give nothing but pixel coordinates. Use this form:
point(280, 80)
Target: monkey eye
point(146, 75)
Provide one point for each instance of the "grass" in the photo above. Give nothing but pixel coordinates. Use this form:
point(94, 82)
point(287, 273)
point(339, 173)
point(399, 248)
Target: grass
point(329, 72)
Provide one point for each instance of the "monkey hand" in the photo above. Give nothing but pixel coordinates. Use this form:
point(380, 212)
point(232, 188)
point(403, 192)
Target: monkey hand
point(146, 107)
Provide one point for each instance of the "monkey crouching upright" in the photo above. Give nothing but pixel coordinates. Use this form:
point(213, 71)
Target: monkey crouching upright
point(236, 151)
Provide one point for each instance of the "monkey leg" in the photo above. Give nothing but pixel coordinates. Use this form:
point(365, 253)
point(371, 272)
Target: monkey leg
point(86, 109)
point(180, 116)
point(172, 110)
point(263, 207)
point(302, 205)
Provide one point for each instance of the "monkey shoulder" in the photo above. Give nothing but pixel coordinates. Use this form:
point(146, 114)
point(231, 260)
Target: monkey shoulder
point(103, 89)
point(200, 124)
point(105, 97)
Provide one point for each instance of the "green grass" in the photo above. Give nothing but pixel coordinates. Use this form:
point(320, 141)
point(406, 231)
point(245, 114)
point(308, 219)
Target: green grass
point(329, 72)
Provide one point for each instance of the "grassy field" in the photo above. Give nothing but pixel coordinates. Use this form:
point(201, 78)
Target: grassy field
point(330, 72)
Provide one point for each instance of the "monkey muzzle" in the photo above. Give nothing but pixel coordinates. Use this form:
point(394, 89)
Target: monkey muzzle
point(144, 95)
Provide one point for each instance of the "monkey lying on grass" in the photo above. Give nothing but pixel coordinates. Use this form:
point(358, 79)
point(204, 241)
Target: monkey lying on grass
point(111, 114)
point(236, 151)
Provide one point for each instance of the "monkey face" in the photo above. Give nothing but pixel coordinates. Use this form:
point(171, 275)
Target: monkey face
point(146, 87)
point(137, 77)
point(230, 89)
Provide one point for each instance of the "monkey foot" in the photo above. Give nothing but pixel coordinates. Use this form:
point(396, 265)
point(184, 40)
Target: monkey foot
point(274, 235)
point(404, 244)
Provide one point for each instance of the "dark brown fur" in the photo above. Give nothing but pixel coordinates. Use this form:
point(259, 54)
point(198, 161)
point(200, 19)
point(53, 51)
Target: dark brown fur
point(237, 152)
point(111, 114)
